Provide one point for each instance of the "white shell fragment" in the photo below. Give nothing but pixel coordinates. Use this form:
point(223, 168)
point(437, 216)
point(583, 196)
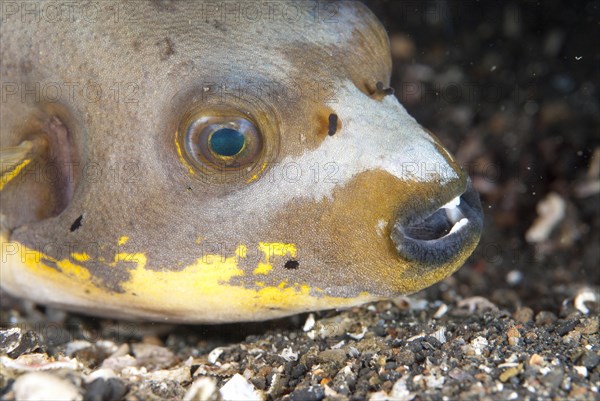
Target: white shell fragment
point(41, 386)
point(38, 362)
point(214, 355)
point(400, 391)
point(288, 354)
point(581, 370)
point(440, 335)
point(441, 311)
point(310, 322)
point(583, 296)
point(478, 345)
point(205, 388)
point(551, 211)
point(239, 389)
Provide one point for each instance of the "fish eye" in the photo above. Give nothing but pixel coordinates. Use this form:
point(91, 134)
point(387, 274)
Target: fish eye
point(228, 142)
point(225, 146)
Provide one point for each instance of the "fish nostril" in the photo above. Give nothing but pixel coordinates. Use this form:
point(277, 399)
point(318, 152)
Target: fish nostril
point(383, 90)
point(377, 90)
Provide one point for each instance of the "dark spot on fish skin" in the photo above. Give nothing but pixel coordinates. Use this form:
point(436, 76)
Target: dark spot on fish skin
point(164, 5)
point(26, 67)
point(167, 48)
point(136, 45)
point(77, 223)
point(218, 25)
point(292, 264)
point(385, 91)
point(333, 124)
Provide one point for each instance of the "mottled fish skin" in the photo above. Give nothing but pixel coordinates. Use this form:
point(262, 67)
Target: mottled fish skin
point(330, 212)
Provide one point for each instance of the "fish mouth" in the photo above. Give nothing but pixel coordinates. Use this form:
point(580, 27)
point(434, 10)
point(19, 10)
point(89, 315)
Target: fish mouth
point(438, 235)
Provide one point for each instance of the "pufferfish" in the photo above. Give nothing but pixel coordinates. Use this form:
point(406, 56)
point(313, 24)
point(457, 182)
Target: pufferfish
point(217, 162)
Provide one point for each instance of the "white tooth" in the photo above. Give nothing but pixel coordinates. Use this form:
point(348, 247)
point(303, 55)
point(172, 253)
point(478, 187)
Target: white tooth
point(454, 203)
point(461, 223)
point(454, 215)
point(452, 210)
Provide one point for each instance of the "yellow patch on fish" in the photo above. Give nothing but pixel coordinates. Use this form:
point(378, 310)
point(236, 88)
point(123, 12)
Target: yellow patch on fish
point(273, 249)
point(201, 286)
point(8, 176)
point(81, 257)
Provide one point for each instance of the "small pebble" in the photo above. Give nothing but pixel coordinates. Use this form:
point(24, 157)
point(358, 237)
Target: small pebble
point(202, 389)
point(181, 374)
point(100, 389)
point(590, 326)
point(14, 342)
point(153, 356)
point(523, 315)
point(238, 388)
point(336, 356)
point(405, 357)
point(10, 340)
point(312, 393)
point(298, 371)
point(536, 360)
point(572, 337)
point(513, 336)
point(42, 386)
point(510, 372)
point(514, 277)
point(565, 326)
point(545, 318)
point(590, 359)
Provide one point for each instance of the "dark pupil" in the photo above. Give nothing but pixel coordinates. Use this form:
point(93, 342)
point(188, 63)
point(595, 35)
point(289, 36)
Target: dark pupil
point(227, 142)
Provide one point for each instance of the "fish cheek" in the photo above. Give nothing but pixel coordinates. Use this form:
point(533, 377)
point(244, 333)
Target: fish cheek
point(364, 213)
point(344, 244)
point(359, 222)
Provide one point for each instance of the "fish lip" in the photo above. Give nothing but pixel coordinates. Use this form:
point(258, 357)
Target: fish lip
point(438, 234)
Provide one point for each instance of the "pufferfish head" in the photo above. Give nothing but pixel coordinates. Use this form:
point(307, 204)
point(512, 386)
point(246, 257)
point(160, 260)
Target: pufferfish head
point(212, 170)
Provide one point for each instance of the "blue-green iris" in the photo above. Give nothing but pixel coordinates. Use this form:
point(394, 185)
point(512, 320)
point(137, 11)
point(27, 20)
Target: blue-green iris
point(227, 142)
